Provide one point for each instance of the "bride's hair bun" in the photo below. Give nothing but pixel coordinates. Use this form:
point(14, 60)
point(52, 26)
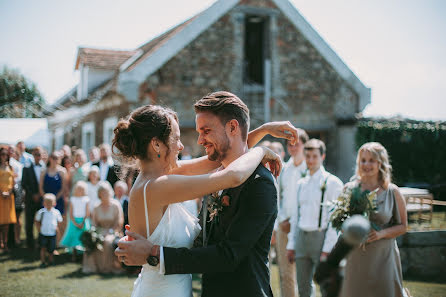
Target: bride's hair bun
point(133, 135)
point(124, 140)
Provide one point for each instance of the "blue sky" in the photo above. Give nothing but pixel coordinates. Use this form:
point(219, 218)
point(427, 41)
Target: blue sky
point(396, 47)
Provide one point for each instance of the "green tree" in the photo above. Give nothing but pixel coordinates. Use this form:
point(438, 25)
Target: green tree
point(19, 97)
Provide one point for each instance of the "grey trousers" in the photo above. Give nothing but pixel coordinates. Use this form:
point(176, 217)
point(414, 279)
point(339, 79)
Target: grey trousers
point(308, 251)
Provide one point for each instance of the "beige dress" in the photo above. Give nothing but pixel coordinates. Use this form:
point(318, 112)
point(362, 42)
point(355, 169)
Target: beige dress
point(108, 222)
point(375, 270)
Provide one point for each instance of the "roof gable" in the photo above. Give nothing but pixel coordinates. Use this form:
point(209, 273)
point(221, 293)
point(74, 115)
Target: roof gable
point(161, 49)
point(102, 58)
point(169, 47)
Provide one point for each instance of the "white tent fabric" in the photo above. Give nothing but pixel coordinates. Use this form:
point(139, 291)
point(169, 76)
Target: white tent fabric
point(32, 131)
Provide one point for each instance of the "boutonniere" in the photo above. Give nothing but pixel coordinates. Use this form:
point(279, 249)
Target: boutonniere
point(216, 204)
point(324, 186)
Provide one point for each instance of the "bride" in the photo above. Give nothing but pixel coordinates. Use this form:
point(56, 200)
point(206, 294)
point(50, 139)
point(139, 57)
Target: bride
point(151, 136)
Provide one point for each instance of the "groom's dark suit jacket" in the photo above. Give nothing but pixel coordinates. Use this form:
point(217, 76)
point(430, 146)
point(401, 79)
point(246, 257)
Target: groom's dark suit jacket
point(234, 260)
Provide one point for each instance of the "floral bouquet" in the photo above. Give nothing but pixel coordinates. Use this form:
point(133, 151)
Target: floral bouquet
point(353, 201)
point(92, 240)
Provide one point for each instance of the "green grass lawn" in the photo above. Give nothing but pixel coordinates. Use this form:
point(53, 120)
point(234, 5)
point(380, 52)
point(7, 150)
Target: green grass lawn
point(20, 275)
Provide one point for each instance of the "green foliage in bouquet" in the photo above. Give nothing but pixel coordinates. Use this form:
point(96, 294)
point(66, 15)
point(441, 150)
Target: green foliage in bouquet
point(353, 201)
point(92, 240)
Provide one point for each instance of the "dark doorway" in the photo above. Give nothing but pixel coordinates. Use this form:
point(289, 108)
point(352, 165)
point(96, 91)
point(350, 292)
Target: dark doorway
point(254, 49)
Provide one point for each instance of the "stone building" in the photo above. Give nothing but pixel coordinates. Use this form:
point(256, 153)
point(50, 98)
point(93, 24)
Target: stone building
point(262, 50)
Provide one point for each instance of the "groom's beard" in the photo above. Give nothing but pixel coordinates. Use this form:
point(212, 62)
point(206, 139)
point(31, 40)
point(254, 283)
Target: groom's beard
point(220, 151)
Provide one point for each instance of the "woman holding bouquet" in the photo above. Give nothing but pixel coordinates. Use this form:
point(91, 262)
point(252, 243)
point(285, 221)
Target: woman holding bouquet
point(107, 218)
point(374, 269)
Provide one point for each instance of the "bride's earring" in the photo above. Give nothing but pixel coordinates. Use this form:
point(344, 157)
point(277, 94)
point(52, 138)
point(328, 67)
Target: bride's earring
point(159, 156)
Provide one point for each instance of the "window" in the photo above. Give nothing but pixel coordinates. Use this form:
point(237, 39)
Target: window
point(109, 126)
point(88, 135)
point(255, 28)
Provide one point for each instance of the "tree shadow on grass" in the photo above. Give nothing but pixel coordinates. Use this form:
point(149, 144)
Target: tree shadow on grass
point(79, 274)
point(25, 268)
point(25, 255)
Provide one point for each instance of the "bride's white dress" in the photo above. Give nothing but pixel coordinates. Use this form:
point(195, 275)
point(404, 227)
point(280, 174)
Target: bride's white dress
point(177, 228)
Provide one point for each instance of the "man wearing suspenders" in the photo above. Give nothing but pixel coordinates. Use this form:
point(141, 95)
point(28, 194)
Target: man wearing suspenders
point(311, 237)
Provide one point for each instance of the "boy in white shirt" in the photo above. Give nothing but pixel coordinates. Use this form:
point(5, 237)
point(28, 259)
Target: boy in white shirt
point(47, 221)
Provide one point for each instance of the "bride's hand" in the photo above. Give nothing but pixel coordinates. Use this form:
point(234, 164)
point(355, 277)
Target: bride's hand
point(283, 129)
point(273, 161)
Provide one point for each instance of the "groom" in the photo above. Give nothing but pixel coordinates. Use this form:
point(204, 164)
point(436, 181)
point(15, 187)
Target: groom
point(232, 249)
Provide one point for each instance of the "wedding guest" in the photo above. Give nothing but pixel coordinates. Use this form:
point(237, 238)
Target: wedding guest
point(93, 155)
point(7, 205)
point(107, 217)
point(66, 150)
point(277, 147)
point(312, 237)
point(121, 194)
point(47, 220)
point(80, 170)
point(293, 170)
point(68, 165)
point(106, 165)
point(52, 180)
point(375, 269)
point(79, 214)
point(30, 183)
point(17, 167)
point(25, 158)
point(45, 156)
point(92, 187)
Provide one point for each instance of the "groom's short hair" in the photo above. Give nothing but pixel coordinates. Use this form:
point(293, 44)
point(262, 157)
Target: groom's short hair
point(226, 106)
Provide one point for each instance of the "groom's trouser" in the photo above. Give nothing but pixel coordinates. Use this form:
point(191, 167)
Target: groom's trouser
point(308, 251)
point(287, 271)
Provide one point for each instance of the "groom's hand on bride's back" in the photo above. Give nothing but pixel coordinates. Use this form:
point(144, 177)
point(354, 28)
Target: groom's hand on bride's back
point(133, 252)
point(272, 161)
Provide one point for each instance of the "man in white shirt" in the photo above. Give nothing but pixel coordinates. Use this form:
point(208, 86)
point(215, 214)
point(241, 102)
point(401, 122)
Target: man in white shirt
point(293, 170)
point(311, 237)
point(23, 157)
point(106, 165)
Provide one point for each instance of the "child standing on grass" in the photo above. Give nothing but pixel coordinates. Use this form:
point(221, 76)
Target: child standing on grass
point(79, 218)
point(47, 221)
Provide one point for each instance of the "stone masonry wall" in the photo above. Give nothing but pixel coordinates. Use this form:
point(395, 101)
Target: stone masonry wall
point(305, 89)
point(423, 255)
point(205, 65)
